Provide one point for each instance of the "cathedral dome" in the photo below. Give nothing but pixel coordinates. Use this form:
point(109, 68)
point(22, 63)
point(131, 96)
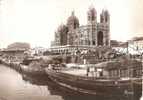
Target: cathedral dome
point(62, 27)
point(73, 21)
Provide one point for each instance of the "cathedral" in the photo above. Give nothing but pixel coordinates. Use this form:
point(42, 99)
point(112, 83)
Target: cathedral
point(92, 34)
point(72, 41)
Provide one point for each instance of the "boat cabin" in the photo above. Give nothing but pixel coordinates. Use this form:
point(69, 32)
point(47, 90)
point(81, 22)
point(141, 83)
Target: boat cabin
point(116, 69)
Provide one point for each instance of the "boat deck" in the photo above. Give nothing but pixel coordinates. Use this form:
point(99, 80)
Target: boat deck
point(83, 73)
point(78, 72)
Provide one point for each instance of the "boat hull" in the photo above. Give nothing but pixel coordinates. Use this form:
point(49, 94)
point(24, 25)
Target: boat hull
point(97, 87)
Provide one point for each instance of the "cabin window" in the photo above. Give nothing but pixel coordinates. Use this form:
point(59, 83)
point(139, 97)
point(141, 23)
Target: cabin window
point(139, 72)
point(126, 73)
point(101, 74)
point(123, 73)
point(110, 73)
point(113, 73)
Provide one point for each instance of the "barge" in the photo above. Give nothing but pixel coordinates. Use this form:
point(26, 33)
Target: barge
point(98, 86)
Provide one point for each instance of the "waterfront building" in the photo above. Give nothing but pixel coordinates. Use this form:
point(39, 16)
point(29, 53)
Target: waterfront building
point(19, 45)
point(15, 51)
point(119, 46)
point(37, 51)
point(136, 45)
point(73, 38)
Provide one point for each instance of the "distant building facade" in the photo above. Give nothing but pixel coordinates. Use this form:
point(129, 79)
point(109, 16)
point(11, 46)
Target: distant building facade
point(19, 45)
point(37, 51)
point(136, 45)
point(15, 51)
point(93, 34)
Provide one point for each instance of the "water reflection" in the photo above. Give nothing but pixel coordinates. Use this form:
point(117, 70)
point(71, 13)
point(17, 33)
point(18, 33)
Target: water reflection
point(15, 86)
point(54, 89)
point(65, 93)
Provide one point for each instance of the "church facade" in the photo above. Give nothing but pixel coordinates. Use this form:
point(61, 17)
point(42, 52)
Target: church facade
point(91, 41)
point(92, 34)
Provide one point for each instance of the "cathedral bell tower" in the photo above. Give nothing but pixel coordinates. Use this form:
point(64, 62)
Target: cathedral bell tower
point(105, 23)
point(92, 23)
point(105, 17)
point(92, 16)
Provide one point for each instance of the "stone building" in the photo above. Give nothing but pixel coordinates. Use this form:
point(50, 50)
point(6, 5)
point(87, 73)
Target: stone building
point(92, 37)
point(15, 51)
point(136, 45)
point(93, 34)
point(61, 36)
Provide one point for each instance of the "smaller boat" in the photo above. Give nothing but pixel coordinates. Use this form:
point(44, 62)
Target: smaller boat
point(34, 69)
point(28, 60)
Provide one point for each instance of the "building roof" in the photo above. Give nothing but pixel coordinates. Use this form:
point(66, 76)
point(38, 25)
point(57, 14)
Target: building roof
point(18, 45)
point(137, 39)
point(13, 50)
point(115, 43)
point(72, 19)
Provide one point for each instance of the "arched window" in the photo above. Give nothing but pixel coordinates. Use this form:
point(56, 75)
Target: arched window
point(100, 38)
point(106, 18)
point(93, 42)
point(89, 42)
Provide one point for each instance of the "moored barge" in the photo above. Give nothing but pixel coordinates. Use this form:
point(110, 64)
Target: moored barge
point(100, 86)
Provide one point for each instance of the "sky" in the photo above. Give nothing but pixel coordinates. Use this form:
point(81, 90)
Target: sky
point(35, 21)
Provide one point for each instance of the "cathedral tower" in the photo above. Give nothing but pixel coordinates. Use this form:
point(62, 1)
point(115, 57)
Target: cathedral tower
point(103, 36)
point(92, 23)
point(92, 16)
point(105, 17)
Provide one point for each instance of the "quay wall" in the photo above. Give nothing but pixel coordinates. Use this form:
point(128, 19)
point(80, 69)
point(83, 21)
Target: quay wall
point(15, 66)
point(25, 71)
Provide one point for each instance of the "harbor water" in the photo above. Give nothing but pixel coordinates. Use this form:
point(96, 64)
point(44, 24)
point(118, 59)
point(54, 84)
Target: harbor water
point(16, 86)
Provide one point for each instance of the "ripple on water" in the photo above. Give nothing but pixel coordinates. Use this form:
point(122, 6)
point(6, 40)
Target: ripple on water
point(13, 87)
